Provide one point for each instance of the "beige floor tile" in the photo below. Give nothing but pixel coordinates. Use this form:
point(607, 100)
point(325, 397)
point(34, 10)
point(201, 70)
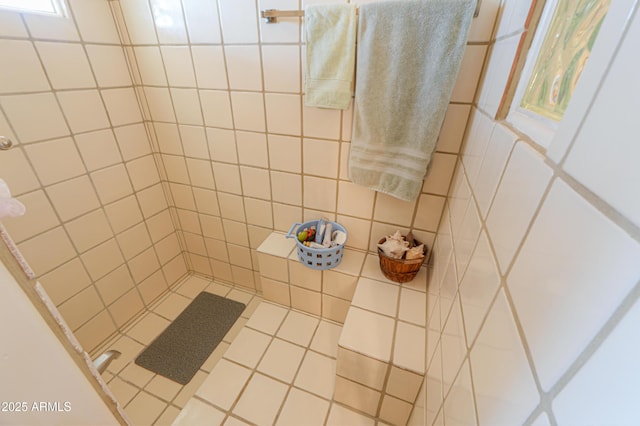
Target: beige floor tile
point(252, 306)
point(129, 350)
point(123, 391)
point(232, 421)
point(302, 408)
point(192, 286)
point(172, 306)
point(224, 384)
point(261, 400)
point(298, 328)
point(215, 356)
point(144, 409)
point(240, 296)
point(341, 416)
point(197, 412)
point(136, 375)
point(326, 338)
point(317, 374)
point(267, 318)
point(234, 330)
point(219, 289)
point(148, 328)
point(189, 389)
point(168, 416)
point(281, 360)
point(248, 346)
point(164, 388)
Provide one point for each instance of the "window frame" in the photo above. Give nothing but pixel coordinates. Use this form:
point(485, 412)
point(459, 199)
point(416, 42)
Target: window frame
point(538, 127)
point(59, 8)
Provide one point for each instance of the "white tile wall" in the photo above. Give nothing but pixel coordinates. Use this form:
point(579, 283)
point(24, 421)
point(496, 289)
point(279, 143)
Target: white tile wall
point(550, 289)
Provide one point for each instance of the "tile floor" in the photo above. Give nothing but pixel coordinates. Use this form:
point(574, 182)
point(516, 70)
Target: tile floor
point(275, 366)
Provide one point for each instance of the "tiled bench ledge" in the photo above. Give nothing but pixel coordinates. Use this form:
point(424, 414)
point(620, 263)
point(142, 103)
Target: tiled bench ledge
point(380, 362)
point(287, 282)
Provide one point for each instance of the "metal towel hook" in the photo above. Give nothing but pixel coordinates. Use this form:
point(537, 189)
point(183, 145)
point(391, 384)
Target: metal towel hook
point(5, 143)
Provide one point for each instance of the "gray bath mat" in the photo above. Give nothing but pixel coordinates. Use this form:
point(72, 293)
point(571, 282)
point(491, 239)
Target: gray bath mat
point(179, 351)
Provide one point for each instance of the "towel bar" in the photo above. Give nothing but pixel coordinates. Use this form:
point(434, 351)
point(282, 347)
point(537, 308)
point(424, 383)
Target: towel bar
point(271, 15)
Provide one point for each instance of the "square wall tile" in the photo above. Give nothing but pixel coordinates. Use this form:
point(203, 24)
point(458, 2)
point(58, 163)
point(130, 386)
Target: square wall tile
point(281, 68)
point(98, 149)
point(355, 200)
point(275, 291)
point(24, 110)
point(95, 22)
point(159, 104)
point(320, 193)
point(97, 225)
point(361, 369)
point(65, 281)
point(255, 182)
point(150, 65)
point(222, 145)
point(55, 160)
point(320, 158)
point(453, 127)
point(177, 62)
point(239, 21)
point(139, 22)
point(259, 213)
point(227, 177)
point(611, 366)
point(202, 21)
point(73, 197)
point(306, 300)
point(285, 153)
point(84, 110)
point(39, 217)
point(512, 208)
point(286, 188)
point(429, 212)
point(208, 62)
point(102, 259)
point(470, 69)
point(510, 397)
point(248, 111)
point(321, 123)
point(122, 106)
point(112, 183)
point(492, 167)
point(109, 65)
point(357, 396)
point(186, 104)
point(283, 114)
point(392, 210)
point(216, 107)
point(17, 172)
point(67, 65)
point(176, 33)
point(243, 67)
point(252, 149)
point(592, 251)
point(115, 284)
point(23, 57)
point(133, 141)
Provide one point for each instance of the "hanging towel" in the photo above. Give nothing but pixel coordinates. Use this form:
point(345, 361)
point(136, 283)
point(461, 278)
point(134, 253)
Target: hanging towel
point(409, 54)
point(331, 51)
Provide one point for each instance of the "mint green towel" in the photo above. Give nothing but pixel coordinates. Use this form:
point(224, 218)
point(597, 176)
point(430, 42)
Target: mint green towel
point(409, 54)
point(331, 51)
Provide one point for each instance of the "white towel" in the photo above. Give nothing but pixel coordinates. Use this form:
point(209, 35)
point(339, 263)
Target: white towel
point(409, 54)
point(331, 45)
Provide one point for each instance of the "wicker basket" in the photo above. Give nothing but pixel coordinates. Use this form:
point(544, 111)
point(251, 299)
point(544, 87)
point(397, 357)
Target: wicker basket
point(400, 270)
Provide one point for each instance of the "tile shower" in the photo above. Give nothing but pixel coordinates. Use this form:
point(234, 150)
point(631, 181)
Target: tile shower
point(172, 139)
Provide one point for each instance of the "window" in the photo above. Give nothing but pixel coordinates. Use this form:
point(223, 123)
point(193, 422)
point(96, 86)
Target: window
point(559, 52)
point(49, 7)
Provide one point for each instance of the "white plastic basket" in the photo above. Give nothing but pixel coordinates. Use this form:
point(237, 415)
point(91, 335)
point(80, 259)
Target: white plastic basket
point(315, 258)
